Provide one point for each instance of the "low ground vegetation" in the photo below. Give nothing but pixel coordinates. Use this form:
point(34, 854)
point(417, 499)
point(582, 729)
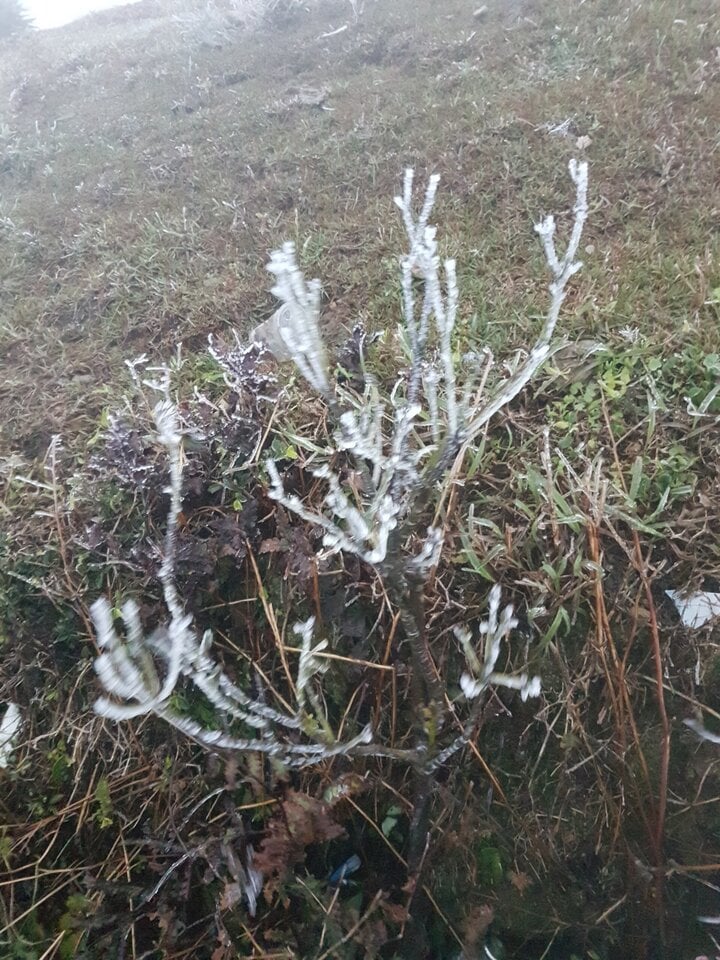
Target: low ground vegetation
point(149, 164)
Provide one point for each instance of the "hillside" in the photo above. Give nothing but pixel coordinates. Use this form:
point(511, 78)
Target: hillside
point(148, 172)
point(151, 158)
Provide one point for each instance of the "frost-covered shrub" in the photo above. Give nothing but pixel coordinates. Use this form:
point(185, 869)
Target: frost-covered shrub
point(388, 457)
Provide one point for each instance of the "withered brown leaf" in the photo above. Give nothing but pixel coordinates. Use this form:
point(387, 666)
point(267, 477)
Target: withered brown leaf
point(521, 881)
point(301, 821)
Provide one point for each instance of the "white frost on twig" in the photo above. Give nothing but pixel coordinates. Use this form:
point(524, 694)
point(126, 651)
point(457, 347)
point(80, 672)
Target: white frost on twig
point(428, 556)
point(126, 668)
point(562, 270)
point(140, 672)
point(310, 663)
point(364, 533)
point(391, 442)
point(481, 672)
point(299, 324)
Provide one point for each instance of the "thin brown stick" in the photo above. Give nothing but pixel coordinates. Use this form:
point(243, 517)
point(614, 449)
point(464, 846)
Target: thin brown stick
point(271, 618)
point(355, 927)
point(658, 835)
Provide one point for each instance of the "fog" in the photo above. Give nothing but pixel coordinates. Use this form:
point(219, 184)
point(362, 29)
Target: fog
point(55, 13)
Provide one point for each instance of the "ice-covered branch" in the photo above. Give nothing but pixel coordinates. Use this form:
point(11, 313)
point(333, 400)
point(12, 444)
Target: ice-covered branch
point(409, 445)
point(562, 270)
point(140, 672)
point(381, 437)
point(299, 325)
point(481, 672)
point(361, 532)
point(422, 262)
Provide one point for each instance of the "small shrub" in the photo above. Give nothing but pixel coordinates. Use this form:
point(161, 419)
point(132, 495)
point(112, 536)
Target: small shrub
point(383, 469)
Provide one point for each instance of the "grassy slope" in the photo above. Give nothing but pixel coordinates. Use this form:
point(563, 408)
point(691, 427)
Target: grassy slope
point(128, 226)
point(145, 176)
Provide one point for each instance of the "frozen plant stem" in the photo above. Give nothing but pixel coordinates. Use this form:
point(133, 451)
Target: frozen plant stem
point(406, 460)
point(562, 270)
point(128, 666)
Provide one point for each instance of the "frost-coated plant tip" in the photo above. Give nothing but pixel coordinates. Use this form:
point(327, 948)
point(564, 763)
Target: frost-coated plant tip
point(481, 672)
point(299, 324)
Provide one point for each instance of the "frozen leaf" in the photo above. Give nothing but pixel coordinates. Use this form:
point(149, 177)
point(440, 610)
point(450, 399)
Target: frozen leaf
point(9, 730)
point(695, 609)
point(302, 821)
point(231, 896)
